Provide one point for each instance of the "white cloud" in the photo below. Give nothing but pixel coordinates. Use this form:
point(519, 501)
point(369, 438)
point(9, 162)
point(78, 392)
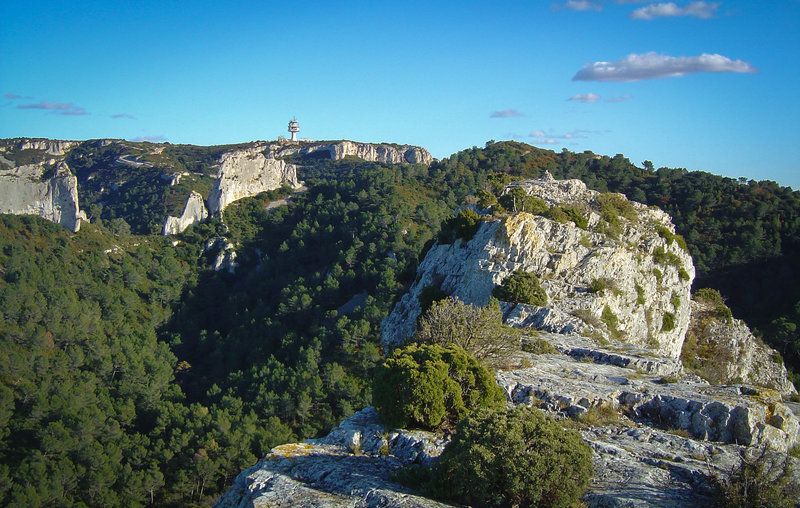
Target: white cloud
point(702, 10)
point(582, 5)
point(589, 97)
point(621, 98)
point(636, 67)
point(541, 137)
point(506, 113)
point(124, 115)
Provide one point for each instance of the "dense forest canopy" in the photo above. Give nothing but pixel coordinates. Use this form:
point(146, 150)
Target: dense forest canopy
point(131, 373)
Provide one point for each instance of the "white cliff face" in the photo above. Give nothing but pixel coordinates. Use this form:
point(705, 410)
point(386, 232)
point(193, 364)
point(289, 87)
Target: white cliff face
point(640, 288)
point(194, 212)
point(247, 172)
point(23, 191)
point(49, 146)
point(371, 152)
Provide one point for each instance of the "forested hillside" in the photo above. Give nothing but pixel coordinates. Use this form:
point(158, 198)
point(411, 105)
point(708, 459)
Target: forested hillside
point(131, 373)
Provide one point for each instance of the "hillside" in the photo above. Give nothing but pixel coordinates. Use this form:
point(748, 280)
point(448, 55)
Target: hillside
point(177, 373)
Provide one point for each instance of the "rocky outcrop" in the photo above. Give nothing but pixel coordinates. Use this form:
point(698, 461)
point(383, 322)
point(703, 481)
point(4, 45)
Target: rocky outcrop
point(194, 212)
point(28, 190)
point(49, 146)
point(725, 351)
point(372, 152)
point(247, 172)
point(645, 278)
point(352, 466)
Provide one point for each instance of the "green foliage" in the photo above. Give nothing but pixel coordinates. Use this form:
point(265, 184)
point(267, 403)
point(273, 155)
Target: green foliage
point(712, 297)
point(670, 237)
point(639, 295)
point(478, 330)
point(576, 216)
point(428, 296)
point(668, 322)
point(598, 285)
point(485, 198)
point(668, 258)
point(675, 300)
point(615, 205)
point(610, 320)
point(538, 347)
point(659, 276)
point(683, 274)
point(521, 287)
point(517, 200)
point(464, 225)
point(761, 479)
point(600, 416)
point(517, 457)
point(432, 386)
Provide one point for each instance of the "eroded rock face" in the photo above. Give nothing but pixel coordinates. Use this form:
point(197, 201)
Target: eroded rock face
point(727, 352)
point(372, 152)
point(194, 212)
point(26, 190)
point(647, 277)
point(247, 172)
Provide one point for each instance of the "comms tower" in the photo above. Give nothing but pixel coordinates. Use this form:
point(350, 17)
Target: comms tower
point(294, 128)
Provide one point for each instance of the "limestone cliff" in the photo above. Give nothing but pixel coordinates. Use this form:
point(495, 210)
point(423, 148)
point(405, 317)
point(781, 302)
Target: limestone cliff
point(372, 152)
point(194, 211)
point(632, 285)
point(247, 172)
point(44, 187)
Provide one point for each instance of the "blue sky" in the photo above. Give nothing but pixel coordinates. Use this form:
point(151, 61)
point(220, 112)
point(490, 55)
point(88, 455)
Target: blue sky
point(705, 85)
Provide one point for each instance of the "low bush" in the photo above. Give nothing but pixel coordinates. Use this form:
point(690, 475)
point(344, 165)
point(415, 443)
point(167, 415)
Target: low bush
point(464, 225)
point(762, 479)
point(479, 330)
point(517, 457)
point(432, 387)
point(539, 347)
point(521, 287)
point(668, 322)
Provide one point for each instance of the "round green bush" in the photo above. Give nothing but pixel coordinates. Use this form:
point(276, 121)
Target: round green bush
point(431, 386)
point(521, 287)
point(517, 457)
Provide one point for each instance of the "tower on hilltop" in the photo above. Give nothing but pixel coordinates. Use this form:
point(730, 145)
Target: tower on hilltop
point(294, 128)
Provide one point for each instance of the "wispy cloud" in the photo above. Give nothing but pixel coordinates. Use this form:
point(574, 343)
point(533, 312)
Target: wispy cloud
point(621, 98)
point(589, 97)
point(124, 115)
point(636, 67)
point(58, 108)
point(583, 5)
point(14, 96)
point(702, 10)
point(151, 139)
point(549, 137)
point(506, 113)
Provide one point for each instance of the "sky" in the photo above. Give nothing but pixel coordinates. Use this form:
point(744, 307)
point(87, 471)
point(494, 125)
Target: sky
point(701, 85)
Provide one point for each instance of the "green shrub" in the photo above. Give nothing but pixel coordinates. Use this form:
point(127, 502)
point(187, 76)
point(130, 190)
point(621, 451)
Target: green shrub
point(576, 216)
point(762, 478)
point(668, 322)
point(428, 296)
point(683, 274)
point(432, 386)
point(664, 257)
point(670, 237)
point(479, 330)
point(464, 225)
point(675, 301)
point(485, 198)
point(521, 287)
point(639, 295)
point(517, 457)
point(610, 320)
point(598, 285)
point(714, 299)
point(539, 347)
point(615, 205)
point(658, 274)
